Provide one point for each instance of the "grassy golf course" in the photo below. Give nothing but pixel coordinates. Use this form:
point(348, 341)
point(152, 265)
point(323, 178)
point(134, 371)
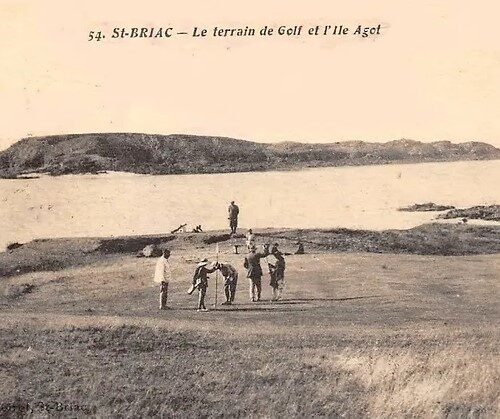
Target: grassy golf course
point(370, 333)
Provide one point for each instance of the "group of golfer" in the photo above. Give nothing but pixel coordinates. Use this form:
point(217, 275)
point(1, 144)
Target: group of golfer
point(252, 264)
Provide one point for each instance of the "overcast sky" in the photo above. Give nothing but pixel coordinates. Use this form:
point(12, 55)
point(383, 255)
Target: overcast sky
point(433, 74)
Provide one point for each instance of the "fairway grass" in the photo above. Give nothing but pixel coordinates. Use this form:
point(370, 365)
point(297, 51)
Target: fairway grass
point(357, 335)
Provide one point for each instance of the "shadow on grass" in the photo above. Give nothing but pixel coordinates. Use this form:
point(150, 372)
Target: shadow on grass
point(305, 300)
point(245, 308)
point(267, 305)
point(269, 309)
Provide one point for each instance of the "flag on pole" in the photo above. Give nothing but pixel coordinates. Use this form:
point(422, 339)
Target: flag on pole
point(216, 272)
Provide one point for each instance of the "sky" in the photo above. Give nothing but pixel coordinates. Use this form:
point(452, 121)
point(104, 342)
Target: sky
point(432, 74)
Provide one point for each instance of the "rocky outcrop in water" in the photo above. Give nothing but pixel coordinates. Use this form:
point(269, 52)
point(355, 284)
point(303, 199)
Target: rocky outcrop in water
point(428, 206)
point(174, 154)
point(481, 212)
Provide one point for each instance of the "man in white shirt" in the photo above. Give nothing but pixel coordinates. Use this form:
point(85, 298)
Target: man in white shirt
point(250, 239)
point(163, 275)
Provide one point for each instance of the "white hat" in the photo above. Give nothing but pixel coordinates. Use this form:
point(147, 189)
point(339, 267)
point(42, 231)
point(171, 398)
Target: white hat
point(203, 262)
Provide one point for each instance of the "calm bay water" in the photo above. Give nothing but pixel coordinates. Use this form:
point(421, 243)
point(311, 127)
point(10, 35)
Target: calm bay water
point(126, 204)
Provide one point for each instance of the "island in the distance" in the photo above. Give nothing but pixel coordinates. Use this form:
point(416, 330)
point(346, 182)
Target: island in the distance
point(182, 154)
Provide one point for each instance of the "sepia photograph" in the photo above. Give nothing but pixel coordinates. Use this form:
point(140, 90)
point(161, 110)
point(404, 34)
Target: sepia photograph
point(260, 209)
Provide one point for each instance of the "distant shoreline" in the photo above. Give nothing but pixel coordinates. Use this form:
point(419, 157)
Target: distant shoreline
point(118, 173)
point(441, 239)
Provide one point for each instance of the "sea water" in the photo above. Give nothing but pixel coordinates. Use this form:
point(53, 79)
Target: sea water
point(365, 197)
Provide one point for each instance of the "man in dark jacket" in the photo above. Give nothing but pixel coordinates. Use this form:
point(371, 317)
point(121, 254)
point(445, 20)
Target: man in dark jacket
point(254, 271)
point(200, 282)
point(233, 212)
point(277, 272)
point(230, 281)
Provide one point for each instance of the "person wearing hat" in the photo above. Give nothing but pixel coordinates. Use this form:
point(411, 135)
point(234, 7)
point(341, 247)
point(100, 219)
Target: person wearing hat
point(163, 275)
point(233, 212)
point(254, 271)
point(230, 275)
point(200, 282)
point(275, 248)
point(277, 272)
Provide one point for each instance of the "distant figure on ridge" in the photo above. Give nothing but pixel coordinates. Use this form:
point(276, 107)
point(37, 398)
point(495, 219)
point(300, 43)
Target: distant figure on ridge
point(197, 229)
point(300, 248)
point(163, 275)
point(233, 212)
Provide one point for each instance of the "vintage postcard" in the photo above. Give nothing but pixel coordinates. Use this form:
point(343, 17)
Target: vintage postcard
point(266, 209)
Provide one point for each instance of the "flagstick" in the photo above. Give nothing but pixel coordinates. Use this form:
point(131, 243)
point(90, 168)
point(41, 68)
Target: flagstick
point(267, 261)
point(216, 273)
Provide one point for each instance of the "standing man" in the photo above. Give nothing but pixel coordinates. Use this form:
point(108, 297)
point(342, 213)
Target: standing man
point(230, 280)
point(254, 271)
point(233, 212)
point(277, 272)
point(250, 239)
point(200, 282)
point(163, 275)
